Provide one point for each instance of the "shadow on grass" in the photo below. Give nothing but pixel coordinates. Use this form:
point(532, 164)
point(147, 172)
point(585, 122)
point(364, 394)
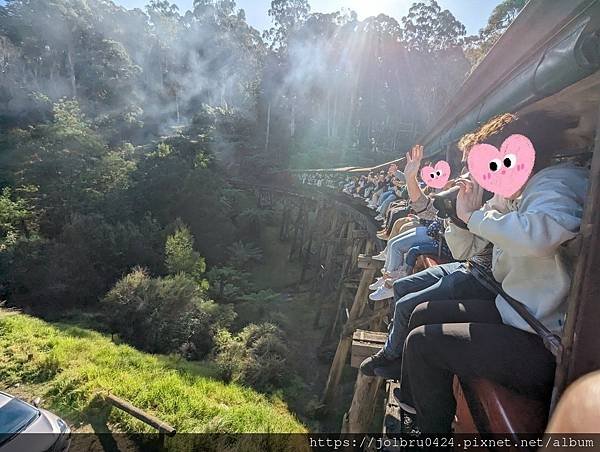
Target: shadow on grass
point(74, 331)
point(187, 369)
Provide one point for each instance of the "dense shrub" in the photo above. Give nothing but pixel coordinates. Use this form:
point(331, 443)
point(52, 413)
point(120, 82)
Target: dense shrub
point(257, 356)
point(17, 219)
point(165, 314)
point(77, 267)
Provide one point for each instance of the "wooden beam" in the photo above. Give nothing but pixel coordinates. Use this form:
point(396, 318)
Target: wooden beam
point(359, 417)
point(359, 234)
point(365, 321)
point(345, 344)
point(368, 263)
point(356, 250)
point(314, 225)
point(347, 254)
point(364, 344)
point(342, 295)
point(137, 413)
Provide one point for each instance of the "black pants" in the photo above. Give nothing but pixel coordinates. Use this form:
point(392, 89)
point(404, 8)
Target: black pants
point(401, 212)
point(467, 338)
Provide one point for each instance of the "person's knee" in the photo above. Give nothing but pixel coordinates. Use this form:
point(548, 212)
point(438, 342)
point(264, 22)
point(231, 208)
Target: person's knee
point(424, 341)
point(402, 287)
point(403, 309)
point(418, 316)
point(415, 343)
point(411, 257)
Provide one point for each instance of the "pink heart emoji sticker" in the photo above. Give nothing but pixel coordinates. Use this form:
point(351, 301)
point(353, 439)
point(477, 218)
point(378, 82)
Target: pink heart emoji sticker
point(437, 176)
point(503, 171)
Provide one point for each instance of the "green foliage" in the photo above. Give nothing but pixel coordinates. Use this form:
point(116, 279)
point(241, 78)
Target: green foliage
point(287, 16)
point(180, 256)
point(163, 150)
point(163, 315)
point(170, 183)
point(102, 210)
point(73, 170)
point(256, 356)
point(80, 264)
point(252, 221)
point(69, 122)
point(261, 306)
point(16, 219)
point(228, 284)
point(74, 364)
point(241, 255)
point(428, 28)
point(502, 16)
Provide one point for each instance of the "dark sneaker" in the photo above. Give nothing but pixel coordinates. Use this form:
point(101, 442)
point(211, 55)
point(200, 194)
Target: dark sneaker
point(380, 365)
point(405, 402)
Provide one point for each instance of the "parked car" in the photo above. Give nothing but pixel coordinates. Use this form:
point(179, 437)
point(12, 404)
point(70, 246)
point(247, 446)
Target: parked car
point(26, 427)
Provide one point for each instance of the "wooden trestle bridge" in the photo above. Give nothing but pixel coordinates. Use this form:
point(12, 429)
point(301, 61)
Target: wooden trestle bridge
point(333, 237)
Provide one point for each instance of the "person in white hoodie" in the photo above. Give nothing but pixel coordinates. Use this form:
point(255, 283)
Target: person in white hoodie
point(479, 338)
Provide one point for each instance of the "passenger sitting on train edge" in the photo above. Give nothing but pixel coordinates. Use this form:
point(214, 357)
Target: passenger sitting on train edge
point(397, 246)
point(454, 280)
point(477, 338)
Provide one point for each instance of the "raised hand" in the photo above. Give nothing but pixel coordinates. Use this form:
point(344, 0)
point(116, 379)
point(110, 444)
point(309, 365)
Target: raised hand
point(413, 161)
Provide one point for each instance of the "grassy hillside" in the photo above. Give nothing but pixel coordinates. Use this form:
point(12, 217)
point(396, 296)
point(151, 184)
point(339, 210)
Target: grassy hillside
point(67, 365)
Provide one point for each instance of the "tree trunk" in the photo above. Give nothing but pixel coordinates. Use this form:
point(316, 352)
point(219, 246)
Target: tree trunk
point(72, 73)
point(293, 120)
point(334, 118)
point(177, 106)
point(268, 128)
point(328, 118)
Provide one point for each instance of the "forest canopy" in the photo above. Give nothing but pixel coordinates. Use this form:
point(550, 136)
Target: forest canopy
point(313, 88)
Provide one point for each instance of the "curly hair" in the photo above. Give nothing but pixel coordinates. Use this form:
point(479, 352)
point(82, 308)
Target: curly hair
point(545, 130)
point(490, 128)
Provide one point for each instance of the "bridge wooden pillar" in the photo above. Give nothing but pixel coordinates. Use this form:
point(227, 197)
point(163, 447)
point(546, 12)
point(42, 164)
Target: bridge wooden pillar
point(264, 198)
point(313, 227)
point(285, 220)
point(299, 224)
point(332, 246)
point(359, 417)
point(329, 228)
point(346, 282)
point(369, 267)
